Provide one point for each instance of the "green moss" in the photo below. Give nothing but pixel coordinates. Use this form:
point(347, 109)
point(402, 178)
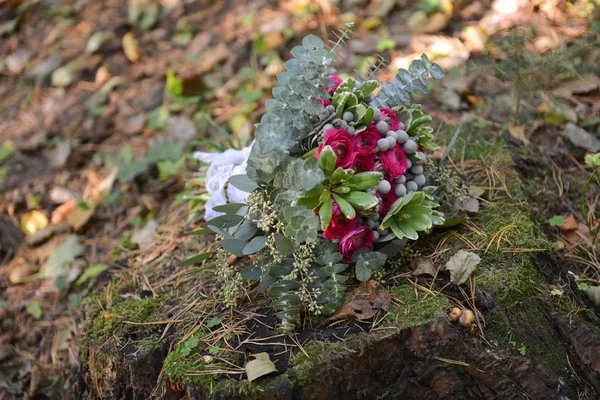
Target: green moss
point(316, 353)
point(414, 310)
point(475, 143)
point(182, 369)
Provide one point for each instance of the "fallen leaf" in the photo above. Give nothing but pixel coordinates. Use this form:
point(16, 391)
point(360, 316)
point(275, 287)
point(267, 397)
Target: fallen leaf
point(471, 205)
point(63, 211)
point(33, 221)
point(518, 132)
point(260, 366)
point(585, 84)
point(97, 40)
point(60, 195)
point(145, 236)
point(21, 268)
point(63, 76)
point(130, 47)
point(423, 266)
point(461, 266)
point(61, 258)
point(570, 224)
point(80, 216)
point(581, 138)
point(363, 303)
point(91, 273)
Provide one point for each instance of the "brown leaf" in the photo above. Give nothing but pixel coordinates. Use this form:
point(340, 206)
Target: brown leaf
point(570, 224)
point(363, 303)
point(130, 47)
point(518, 132)
point(63, 211)
point(423, 266)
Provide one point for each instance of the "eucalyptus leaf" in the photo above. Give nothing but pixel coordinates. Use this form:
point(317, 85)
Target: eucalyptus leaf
point(234, 246)
point(256, 244)
point(243, 183)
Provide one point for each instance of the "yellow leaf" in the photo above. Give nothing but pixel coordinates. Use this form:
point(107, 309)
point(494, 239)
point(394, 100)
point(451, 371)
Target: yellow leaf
point(260, 366)
point(130, 47)
point(518, 132)
point(33, 221)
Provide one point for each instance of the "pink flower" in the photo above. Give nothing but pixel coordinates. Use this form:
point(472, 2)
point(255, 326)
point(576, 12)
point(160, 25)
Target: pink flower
point(336, 82)
point(393, 123)
point(356, 239)
point(364, 163)
point(366, 141)
point(325, 103)
point(386, 202)
point(339, 225)
point(342, 144)
point(393, 161)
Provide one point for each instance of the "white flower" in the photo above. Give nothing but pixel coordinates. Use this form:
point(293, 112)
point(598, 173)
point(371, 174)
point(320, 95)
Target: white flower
point(222, 167)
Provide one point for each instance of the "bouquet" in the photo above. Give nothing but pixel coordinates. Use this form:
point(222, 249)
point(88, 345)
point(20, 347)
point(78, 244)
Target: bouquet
point(336, 184)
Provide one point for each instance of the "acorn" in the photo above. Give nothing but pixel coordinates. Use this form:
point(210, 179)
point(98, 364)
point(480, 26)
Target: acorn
point(455, 314)
point(467, 318)
point(473, 330)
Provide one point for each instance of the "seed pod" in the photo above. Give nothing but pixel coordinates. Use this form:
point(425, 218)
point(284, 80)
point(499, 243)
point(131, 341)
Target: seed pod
point(400, 190)
point(392, 141)
point(416, 169)
point(348, 116)
point(401, 136)
point(375, 235)
point(401, 179)
point(410, 146)
point(327, 127)
point(408, 163)
point(467, 318)
point(384, 187)
point(412, 186)
point(455, 314)
point(420, 179)
point(382, 127)
point(376, 114)
point(351, 131)
point(383, 144)
point(392, 134)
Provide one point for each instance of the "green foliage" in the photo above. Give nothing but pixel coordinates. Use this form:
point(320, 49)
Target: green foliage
point(35, 309)
point(557, 220)
point(411, 214)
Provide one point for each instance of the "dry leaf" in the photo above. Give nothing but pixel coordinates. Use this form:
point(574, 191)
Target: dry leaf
point(260, 366)
point(363, 303)
point(130, 47)
point(581, 138)
point(570, 224)
point(145, 236)
point(423, 266)
point(80, 216)
point(33, 221)
point(21, 268)
point(593, 293)
point(518, 132)
point(461, 266)
point(63, 211)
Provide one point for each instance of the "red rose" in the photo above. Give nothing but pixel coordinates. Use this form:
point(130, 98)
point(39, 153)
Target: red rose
point(394, 161)
point(393, 123)
point(364, 163)
point(324, 102)
point(339, 225)
point(342, 144)
point(366, 141)
point(386, 202)
point(356, 239)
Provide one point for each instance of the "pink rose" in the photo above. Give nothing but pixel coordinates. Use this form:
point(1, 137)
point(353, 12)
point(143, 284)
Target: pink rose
point(336, 82)
point(325, 103)
point(393, 161)
point(342, 144)
point(363, 163)
point(366, 141)
point(393, 123)
point(339, 225)
point(356, 239)
point(386, 203)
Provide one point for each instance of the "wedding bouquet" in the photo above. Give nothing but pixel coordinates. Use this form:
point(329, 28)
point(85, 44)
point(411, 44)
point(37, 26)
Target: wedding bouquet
point(336, 181)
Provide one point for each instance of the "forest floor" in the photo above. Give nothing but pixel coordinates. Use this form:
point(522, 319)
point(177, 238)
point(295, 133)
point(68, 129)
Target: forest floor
point(103, 104)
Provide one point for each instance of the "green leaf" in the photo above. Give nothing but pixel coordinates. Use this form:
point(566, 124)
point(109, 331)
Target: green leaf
point(174, 85)
point(345, 207)
point(230, 208)
point(366, 88)
point(418, 122)
point(361, 201)
point(255, 245)
point(214, 350)
point(164, 151)
point(35, 309)
point(234, 246)
point(368, 262)
point(251, 273)
point(6, 149)
point(341, 175)
point(214, 321)
point(325, 214)
point(364, 180)
point(91, 273)
point(158, 118)
point(557, 220)
point(327, 160)
point(196, 259)
point(62, 257)
point(199, 232)
point(284, 245)
point(127, 172)
point(402, 231)
point(224, 221)
point(243, 183)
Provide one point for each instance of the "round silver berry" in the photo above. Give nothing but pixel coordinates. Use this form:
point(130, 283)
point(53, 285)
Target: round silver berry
point(384, 187)
point(408, 163)
point(420, 179)
point(383, 144)
point(370, 223)
point(370, 98)
point(410, 146)
point(400, 179)
point(375, 217)
point(382, 127)
point(392, 134)
point(411, 186)
point(330, 108)
point(351, 131)
point(348, 116)
point(400, 190)
point(344, 124)
point(376, 114)
point(416, 169)
point(327, 127)
point(375, 235)
point(382, 232)
point(421, 156)
point(392, 141)
point(401, 136)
